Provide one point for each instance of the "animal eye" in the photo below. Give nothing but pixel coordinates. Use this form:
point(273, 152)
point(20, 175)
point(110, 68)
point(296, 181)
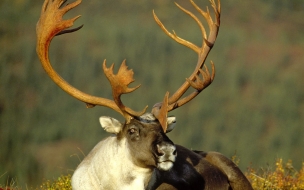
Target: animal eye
point(132, 130)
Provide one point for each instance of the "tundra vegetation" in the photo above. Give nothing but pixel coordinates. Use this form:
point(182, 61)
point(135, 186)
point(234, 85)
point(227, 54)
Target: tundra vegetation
point(255, 106)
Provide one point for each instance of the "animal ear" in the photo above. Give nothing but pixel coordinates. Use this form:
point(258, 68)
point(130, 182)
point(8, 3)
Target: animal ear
point(171, 121)
point(110, 124)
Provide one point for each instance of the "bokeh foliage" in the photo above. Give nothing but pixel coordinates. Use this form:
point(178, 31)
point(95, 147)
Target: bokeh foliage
point(255, 106)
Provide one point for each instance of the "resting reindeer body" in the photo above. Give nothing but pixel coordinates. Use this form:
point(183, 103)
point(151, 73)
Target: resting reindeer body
point(149, 160)
point(140, 155)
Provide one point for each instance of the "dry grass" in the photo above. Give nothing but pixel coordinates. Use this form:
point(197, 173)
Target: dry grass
point(283, 177)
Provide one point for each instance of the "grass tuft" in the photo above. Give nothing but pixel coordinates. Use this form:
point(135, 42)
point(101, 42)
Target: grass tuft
point(284, 177)
point(61, 183)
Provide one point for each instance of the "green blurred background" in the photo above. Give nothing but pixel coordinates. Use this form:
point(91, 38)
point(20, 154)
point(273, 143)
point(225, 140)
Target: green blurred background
point(254, 108)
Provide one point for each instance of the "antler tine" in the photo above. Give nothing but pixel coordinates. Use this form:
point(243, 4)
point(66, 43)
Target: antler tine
point(119, 83)
point(51, 24)
point(194, 80)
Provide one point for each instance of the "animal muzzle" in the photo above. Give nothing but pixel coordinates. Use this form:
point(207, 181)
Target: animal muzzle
point(166, 155)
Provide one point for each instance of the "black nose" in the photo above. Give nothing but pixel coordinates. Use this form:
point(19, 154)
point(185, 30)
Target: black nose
point(166, 150)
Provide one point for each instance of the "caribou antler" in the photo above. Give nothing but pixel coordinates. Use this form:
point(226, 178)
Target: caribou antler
point(176, 100)
point(51, 24)
point(119, 85)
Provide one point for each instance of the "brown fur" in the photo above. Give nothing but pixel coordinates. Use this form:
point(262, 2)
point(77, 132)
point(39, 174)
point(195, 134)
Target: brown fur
point(142, 143)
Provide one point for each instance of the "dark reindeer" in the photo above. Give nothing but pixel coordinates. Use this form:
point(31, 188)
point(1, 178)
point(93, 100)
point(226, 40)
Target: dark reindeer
point(140, 155)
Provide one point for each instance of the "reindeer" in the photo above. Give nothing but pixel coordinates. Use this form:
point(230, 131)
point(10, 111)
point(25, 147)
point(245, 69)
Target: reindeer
point(140, 155)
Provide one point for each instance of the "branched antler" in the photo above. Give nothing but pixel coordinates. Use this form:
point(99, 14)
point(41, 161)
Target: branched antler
point(200, 78)
point(51, 24)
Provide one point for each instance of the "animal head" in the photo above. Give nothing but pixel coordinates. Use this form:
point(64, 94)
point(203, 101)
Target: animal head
point(147, 142)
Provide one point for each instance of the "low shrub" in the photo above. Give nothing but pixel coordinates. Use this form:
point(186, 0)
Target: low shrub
point(283, 177)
